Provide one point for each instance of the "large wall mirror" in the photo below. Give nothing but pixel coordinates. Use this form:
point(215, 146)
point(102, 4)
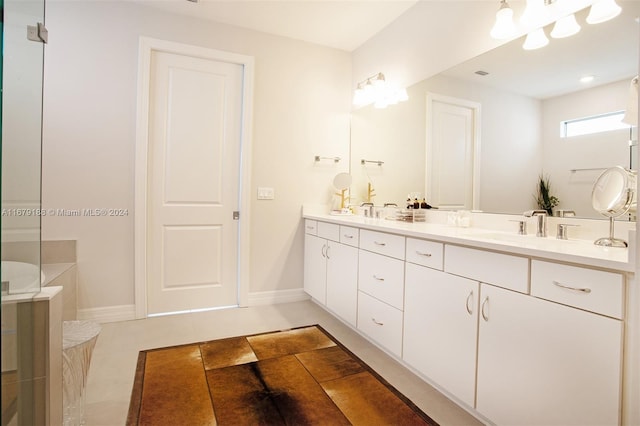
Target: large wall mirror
point(522, 98)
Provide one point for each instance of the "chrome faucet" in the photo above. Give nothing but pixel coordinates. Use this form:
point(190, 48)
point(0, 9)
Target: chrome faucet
point(370, 208)
point(541, 230)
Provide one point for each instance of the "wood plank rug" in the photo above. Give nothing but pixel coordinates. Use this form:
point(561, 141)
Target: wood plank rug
point(296, 377)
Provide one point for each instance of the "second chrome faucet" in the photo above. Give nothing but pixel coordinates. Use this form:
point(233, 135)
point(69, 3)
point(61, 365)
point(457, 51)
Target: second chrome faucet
point(541, 228)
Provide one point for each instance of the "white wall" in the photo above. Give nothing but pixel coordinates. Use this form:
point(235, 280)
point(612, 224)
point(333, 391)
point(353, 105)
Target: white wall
point(301, 109)
point(429, 38)
point(598, 151)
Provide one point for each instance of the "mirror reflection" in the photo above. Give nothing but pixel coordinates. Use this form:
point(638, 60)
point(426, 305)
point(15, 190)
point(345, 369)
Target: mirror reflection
point(512, 114)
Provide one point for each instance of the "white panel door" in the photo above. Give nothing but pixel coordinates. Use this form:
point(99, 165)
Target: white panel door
point(193, 183)
point(451, 146)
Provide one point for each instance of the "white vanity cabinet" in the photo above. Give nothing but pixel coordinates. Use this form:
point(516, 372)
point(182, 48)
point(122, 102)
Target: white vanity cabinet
point(519, 339)
point(331, 268)
point(542, 363)
point(440, 329)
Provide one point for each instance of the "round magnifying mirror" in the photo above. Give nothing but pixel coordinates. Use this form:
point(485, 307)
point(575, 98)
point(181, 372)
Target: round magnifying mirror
point(342, 181)
point(614, 194)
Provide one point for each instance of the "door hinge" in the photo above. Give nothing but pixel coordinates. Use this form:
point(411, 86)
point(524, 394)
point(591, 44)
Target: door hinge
point(236, 215)
point(38, 33)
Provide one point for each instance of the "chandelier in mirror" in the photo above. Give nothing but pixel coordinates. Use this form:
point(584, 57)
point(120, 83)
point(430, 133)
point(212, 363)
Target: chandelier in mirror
point(539, 13)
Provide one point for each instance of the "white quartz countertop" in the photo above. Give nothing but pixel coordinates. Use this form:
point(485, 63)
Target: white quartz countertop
point(581, 252)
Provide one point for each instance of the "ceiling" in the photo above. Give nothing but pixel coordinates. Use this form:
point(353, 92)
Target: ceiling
point(341, 24)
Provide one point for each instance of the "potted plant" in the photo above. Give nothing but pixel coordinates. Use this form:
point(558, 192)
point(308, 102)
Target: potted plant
point(543, 197)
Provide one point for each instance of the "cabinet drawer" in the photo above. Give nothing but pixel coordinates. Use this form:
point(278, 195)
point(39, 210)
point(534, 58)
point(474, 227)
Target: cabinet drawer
point(503, 270)
point(425, 253)
point(589, 289)
point(310, 227)
point(381, 322)
point(379, 242)
point(330, 231)
point(349, 235)
point(382, 277)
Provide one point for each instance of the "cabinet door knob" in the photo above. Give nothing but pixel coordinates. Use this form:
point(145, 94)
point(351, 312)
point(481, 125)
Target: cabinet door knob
point(485, 314)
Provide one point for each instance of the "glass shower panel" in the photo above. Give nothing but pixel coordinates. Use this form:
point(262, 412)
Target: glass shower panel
point(23, 320)
point(22, 71)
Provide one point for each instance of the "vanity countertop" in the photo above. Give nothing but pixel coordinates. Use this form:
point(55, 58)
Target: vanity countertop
point(575, 251)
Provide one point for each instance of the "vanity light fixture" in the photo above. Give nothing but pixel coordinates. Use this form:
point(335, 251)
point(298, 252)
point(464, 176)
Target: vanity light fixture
point(565, 27)
point(535, 40)
point(375, 90)
point(504, 27)
point(603, 10)
point(538, 13)
point(535, 14)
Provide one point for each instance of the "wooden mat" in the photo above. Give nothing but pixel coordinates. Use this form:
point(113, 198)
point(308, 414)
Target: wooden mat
point(297, 377)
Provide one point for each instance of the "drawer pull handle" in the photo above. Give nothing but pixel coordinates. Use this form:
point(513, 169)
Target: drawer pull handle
point(583, 290)
point(378, 278)
point(310, 228)
point(324, 250)
point(377, 322)
point(485, 314)
point(469, 299)
point(348, 236)
point(423, 254)
point(378, 243)
point(328, 248)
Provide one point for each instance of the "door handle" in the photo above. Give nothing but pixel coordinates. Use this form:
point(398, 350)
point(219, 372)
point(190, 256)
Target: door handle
point(485, 314)
point(469, 299)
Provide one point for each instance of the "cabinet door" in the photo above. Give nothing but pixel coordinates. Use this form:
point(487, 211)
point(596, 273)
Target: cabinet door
point(542, 363)
point(342, 281)
point(440, 329)
point(315, 267)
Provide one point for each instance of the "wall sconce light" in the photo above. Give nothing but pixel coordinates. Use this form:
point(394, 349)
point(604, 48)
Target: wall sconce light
point(538, 13)
point(375, 90)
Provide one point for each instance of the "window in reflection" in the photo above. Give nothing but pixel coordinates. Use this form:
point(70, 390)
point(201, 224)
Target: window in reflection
point(593, 124)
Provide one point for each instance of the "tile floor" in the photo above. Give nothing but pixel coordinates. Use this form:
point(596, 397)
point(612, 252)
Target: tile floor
point(114, 358)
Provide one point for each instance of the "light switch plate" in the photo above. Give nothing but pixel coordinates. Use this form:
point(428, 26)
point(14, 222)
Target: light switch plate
point(265, 193)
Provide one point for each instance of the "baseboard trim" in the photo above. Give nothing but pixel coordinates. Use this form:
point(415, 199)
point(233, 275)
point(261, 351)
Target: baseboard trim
point(277, 296)
point(108, 314)
point(128, 312)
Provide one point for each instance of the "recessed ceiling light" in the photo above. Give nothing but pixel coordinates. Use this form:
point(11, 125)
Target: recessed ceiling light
point(587, 79)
